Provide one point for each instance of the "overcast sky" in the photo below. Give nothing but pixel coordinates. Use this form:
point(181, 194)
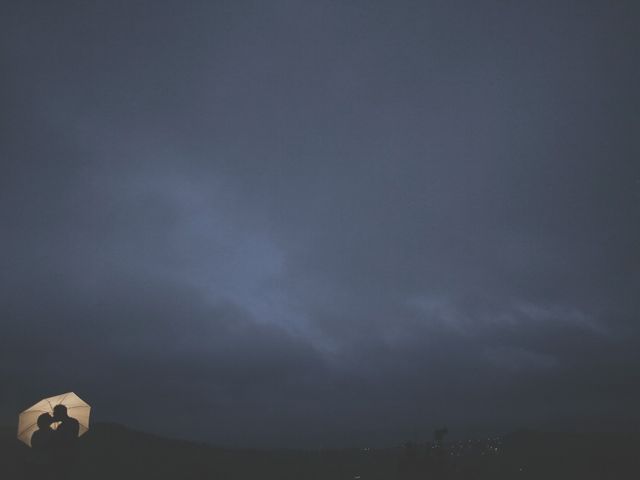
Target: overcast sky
point(286, 223)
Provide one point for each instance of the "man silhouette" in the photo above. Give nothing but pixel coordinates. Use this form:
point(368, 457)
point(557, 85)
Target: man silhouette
point(67, 432)
point(64, 439)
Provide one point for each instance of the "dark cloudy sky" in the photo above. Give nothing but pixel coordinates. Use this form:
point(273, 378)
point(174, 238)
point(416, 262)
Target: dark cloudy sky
point(299, 222)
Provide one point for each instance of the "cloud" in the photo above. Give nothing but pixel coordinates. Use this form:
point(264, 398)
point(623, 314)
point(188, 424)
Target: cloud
point(292, 227)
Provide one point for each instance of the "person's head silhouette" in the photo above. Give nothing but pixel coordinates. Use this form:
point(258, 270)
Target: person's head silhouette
point(60, 413)
point(44, 421)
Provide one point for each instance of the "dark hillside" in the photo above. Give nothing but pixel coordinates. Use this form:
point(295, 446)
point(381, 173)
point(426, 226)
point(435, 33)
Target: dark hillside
point(110, 451)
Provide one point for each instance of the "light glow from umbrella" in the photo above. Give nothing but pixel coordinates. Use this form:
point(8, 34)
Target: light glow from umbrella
point(76, 407)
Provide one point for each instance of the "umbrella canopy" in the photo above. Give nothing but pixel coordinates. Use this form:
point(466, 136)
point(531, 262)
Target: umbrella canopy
point(76, 407)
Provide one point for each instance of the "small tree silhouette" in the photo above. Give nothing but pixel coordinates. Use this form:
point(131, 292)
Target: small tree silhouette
point(438, 436)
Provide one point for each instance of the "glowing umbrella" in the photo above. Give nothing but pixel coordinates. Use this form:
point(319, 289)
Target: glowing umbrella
point(76, 407)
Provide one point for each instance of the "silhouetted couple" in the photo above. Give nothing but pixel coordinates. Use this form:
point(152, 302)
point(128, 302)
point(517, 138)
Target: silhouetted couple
point(54, 447)
point(46, 438)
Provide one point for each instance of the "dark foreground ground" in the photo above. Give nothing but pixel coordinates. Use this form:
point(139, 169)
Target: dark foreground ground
point(113, 452)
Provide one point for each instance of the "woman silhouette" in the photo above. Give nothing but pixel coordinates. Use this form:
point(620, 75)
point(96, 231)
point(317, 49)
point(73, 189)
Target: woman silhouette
point(41, 439)
point(40, 460)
